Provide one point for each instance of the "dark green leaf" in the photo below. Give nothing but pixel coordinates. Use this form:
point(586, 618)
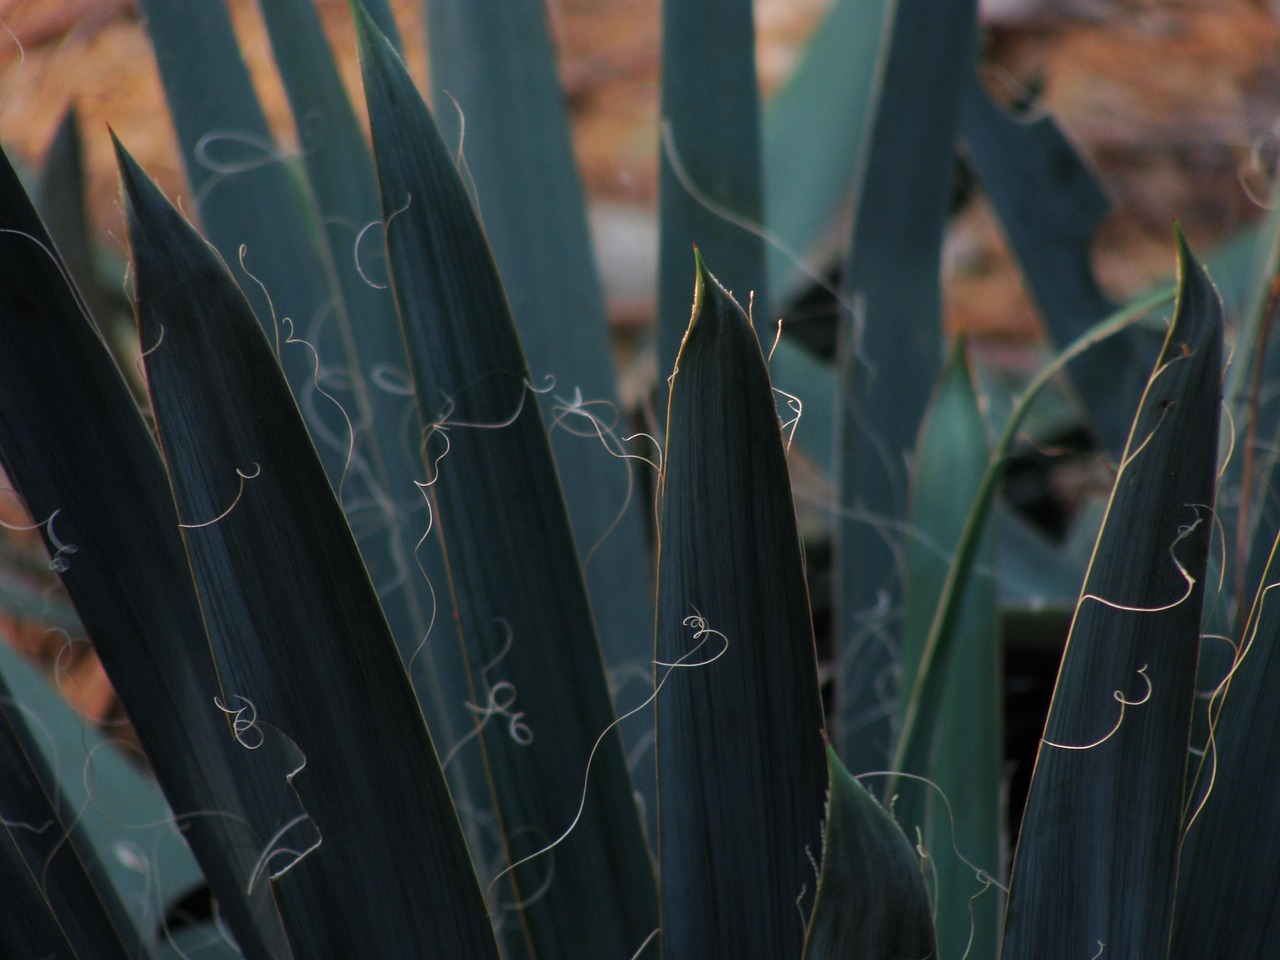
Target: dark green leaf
point(871, 901)
point(89, 471)
point(519, 601)
point(1227, 891)
point(711, 158)
point(1050, 206)
point(813, 133)
point(58, 897)
point(892, 349)
point(376, 866)
point(494, 60)
point(957, 812)
point(1098, 850)
point(118, 808)
point(740, 764)
point(246, 194)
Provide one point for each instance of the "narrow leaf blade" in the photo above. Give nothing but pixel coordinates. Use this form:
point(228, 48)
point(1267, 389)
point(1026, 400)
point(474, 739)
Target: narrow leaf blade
point(254, 503)
point(560, 777)
point(871, 901)
point(1116, 738)
point(740, 763)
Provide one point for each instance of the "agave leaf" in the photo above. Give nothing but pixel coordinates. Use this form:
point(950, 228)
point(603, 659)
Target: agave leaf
point(711, 158)
point(61, 202)
point(871, 901)
point(740, 766)
point(892, 353)
point(1116, 738)
point(957, 814)
point(307, 664)
point(245, 194)
point(1226, 893)
point(1050, 206)
point(519, 601)
point(119, 810)
point(824, 105)
point(386, 511)
point(494, 64)
point(59, 900)
point(108, 520)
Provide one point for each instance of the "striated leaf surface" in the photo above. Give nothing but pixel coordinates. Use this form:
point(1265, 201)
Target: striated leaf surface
point(871, 901)
point(1098, 851)
point(543, 707)
point(741, 774)
point(309, 673)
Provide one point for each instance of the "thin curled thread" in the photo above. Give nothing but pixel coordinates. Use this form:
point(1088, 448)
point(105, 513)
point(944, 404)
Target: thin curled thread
point(60, 267)
point(562, 410)
point(501, 698)
point(704, 200)
point(58, 561)
point(1255, 164)
point(1184, 531)
point(349, 457)
point(244, 477)
point(244, 721)
point(442, 425)
point(796, 406)
point(981, 875)
point(385, 224)
point(139, 363)
point(524, 903)
point(271, 851)
point(645, 943)
point(702, 631)
point(1216, 700)
point(1124, 702)
point(270, 153)
point(577, 406)
point(1102, 948)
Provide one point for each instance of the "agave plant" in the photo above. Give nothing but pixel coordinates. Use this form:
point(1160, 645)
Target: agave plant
point(374, 585)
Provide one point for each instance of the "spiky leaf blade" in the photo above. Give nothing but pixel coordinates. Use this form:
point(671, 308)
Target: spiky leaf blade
point(891, 353)
point(106, 515)
point(954, 806)
point(1098, 851)
point(495, 60)
point(520, 603)
point(741, 774)
point(1050, 206)
point(711, 160)
point(307, 663)
point(871, 900)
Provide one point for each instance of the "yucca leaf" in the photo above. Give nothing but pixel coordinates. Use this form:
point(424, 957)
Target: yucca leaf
point(711, 160)
point(891, 355)
point(1116, 739)
point(376, 866)
point(385, 509)
point(245, 193)
point(955, 806)
point(117, 807)
point(741, 774)
point(814, 137)
point(59, 900)
point(520, 605)
point(1050, 206)
point(90, 473)
point(871, 901)
point(1227, 891)
point(493, 63)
